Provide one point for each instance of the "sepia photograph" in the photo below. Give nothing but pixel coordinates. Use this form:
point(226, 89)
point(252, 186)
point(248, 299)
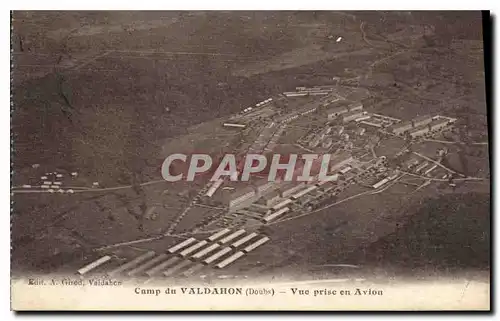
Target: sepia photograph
point(250, 160)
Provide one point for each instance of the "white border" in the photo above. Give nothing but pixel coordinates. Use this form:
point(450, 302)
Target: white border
point(5, 162)
point(255, 5)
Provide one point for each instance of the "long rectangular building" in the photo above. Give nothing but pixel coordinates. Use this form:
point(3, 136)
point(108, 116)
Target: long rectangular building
point(241, 197)
point(255, 245)
point(304, 192)
point(181, 245)
point(439, 124)
point(232, 236)
point(433, 167)
point(295, 94)
point(244, 240)
point(421, 166)
point(217, 255)
point(217, 235)
point(264, 186)
point(280, 205)
point(213, 188)
point(401, 128)
point(322, 87)
point(362, 118)
point(380, 183)
point(422, 120)
point(193, 248)
point(352, 115)
point(276, 214)
point(339, 161)
point(234, 125)
point(337, 108)
point(230, 259)
point(291, 188)
point(206, 250)
point(93, 265)
point(371, 124)
point(357, 106)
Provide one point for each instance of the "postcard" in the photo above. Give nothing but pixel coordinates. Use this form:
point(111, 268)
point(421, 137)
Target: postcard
point(250, 160)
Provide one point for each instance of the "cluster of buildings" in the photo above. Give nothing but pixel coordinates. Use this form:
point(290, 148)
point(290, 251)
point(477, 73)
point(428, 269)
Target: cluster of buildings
point(326, 136)
point(272, 194)
point(244, 197)
point(421, 126)
point(184, 258)
point(385, 180)
point(425, 168)
point(52, 182)
point(276, 197)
